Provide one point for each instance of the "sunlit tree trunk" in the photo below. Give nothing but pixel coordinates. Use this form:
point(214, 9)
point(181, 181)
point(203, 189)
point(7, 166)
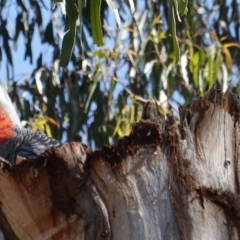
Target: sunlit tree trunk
point(167, 180)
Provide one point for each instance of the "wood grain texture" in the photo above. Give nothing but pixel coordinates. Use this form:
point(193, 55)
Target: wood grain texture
point(168, 179)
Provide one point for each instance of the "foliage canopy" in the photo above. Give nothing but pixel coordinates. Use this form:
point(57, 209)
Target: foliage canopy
point(171, 50)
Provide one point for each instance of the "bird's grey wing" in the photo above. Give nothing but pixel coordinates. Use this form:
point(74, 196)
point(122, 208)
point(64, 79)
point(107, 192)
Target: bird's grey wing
point(33, 143)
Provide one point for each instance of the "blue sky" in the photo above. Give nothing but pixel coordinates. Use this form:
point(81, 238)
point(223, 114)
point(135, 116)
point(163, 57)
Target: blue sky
point(23, 68)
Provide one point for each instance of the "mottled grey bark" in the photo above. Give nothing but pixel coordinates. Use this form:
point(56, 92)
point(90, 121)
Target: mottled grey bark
point(167, 180)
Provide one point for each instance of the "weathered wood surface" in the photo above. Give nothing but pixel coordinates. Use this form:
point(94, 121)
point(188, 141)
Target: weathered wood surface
point(167, 180)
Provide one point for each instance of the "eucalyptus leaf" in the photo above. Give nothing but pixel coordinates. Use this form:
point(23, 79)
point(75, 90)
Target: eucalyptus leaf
point(96, 22)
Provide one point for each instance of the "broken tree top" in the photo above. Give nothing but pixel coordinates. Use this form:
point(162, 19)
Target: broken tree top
point(167, 180)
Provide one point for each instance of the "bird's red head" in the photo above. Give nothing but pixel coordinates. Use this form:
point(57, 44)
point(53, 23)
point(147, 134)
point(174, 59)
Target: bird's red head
point(6, 127)
point(8, 116)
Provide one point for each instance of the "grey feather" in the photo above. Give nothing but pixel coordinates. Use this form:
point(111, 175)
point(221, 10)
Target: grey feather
point(26, 143)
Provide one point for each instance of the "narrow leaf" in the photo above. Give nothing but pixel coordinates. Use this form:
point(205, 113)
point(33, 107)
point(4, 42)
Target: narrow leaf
point(231, 44)
point(48, 36)
point(69, 37)
point(113, 6)
point(176, 9)
point(80, 4)
point(38, 13)
point(212, 68)
point(172, 25)
point(21, 4)
point(6, 46)
point(72, 11)
point(48, 130)
point(183, 7)
point(67, 45)
point(132, 6)
point(228, 57)
point(19, 27)
point(97, 76)
point(96, 21)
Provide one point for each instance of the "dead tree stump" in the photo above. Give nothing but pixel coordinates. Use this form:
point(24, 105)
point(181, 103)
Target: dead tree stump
point(167, 180)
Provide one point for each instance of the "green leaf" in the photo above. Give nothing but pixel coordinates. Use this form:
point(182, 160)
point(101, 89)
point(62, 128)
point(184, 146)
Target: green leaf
point(212, 68)
point(48, 36)
point(196, 58)
point(96, 78)
point(40, 122)
point(100, 54)
point(172, 25)
point(48, 130)
point(67, 45)
point(6, 46)
point(183, 7)
point(96, 21)
point(21, 4)
point(195, 67)
point(38, 15)
point(81, 4)
point(111, 89)
point(19, 26)
point(72, 12)
point(28, 51)
point(228, 57)
point(176, 9)
point(69, 37)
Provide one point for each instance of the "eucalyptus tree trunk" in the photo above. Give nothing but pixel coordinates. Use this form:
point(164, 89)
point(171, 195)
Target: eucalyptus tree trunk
point(167, 180)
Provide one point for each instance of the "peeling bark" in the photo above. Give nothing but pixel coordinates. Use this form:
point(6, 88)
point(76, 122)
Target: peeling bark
point(167, 180)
